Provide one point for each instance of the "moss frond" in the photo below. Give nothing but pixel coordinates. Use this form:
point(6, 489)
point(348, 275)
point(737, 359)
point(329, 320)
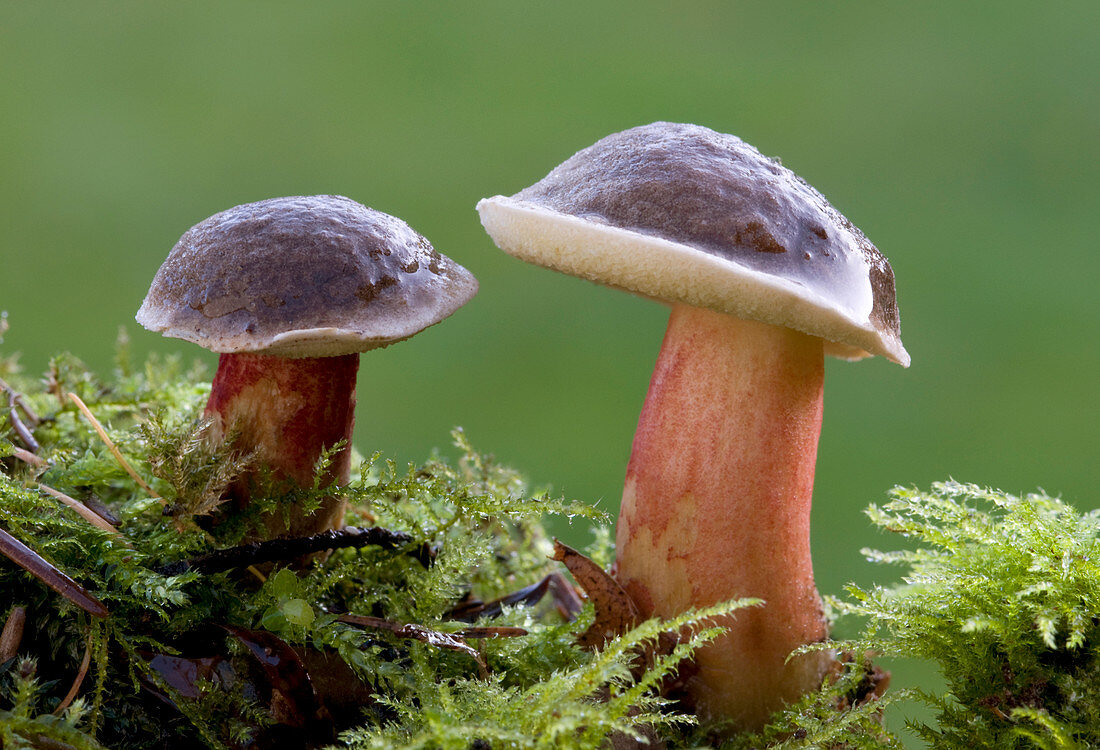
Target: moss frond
point(481, 524)
point(1003, 593)
point(577, 707)
point(24, 724)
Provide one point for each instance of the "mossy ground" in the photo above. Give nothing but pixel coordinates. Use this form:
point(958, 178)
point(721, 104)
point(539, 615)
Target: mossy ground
point(365, 648)
point(170, 666)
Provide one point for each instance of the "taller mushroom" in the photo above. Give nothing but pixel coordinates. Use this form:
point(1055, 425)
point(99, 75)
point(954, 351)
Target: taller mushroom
point(764, 277)
point(290, 291)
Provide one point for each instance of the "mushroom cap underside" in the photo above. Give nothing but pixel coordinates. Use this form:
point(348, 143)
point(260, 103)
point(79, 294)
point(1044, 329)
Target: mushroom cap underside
point(683, 214)
point(302, 277)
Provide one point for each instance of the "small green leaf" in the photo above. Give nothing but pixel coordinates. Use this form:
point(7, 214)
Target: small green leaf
point(282, 584)
point(298, 612)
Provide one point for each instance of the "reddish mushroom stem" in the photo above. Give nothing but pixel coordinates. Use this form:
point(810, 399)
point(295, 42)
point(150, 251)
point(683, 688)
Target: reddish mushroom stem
point(716, 504)
point(289, 411)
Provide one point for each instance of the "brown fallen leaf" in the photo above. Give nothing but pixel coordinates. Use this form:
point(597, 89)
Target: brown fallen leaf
point(293, 701)
point(339, 688)
point(184, 674)
point(560, 590)
point(615, 611)
point(472, 609)
point(566, 598)
point(270, 671)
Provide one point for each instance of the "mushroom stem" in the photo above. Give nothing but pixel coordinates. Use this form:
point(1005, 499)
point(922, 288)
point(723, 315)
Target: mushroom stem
point(288, 411)
point(716, 504)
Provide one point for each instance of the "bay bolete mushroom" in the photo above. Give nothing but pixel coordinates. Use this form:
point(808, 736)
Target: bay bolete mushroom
point(290, 291)
point(763, 277)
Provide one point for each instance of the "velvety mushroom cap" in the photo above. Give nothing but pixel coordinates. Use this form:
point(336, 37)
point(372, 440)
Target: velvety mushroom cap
point(302, 277)
point(682, 213)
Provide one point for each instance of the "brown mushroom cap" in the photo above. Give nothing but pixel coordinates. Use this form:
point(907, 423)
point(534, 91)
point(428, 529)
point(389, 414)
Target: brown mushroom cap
point(302, 277)
point(682, 213)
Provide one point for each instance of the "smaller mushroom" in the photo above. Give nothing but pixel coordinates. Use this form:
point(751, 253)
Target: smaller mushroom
point(289, 291)
point(764, 277)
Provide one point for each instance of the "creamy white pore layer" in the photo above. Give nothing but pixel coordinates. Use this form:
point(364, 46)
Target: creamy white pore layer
point(674, 272)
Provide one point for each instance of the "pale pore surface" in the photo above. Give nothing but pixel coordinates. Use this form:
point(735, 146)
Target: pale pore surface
point(674, 272)
point(644, 209)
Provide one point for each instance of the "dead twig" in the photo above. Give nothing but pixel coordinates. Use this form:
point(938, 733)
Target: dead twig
point(21, 430)
point(439, 639)
point(12, 635)
point(21, 402)
point(82, 510)
point(79, 680)
point(42, 742)
point(111, 446)
point(29, 458)
point(274, 550)
point(40, 568)
point(492, 631)
point(502, 631)
point(100, 508)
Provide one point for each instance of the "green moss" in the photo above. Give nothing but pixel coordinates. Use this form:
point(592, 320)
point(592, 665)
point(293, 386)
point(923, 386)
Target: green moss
point(1003, 593)
point(845, 713)
point(481, 525)
point(23, 726)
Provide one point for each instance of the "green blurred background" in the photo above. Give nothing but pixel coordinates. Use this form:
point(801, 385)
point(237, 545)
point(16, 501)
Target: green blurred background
point(961, 137)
